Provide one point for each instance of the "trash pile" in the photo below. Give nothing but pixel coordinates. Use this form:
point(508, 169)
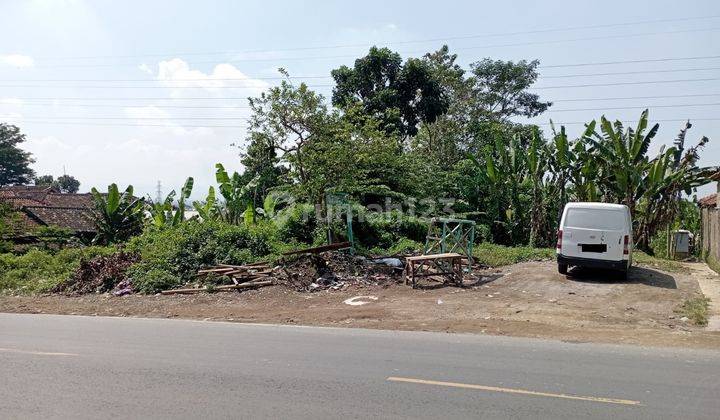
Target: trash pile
point(336, 270)
point(101, 274)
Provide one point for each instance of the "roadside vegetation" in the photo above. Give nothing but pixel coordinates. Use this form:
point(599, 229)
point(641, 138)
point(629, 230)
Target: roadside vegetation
point(400, 141)
point(663, 264)
point(696, 310)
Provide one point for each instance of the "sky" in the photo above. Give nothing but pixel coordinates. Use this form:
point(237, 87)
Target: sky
point(137, 92)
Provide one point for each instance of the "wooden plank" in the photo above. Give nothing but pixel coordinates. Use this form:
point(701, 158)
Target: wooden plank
point(220, 288)
point(319, 249)
point(429, 257)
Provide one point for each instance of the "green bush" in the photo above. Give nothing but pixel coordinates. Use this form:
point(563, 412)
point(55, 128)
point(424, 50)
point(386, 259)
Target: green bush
point(384, 230)
point(172, 255)
point(39, 271)
point(297, 223)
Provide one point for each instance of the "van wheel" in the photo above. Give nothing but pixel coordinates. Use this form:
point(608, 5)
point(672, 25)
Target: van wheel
point(562, 268)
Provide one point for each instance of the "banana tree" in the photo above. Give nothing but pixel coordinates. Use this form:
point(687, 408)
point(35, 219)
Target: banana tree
point(623, 153)
point(163, 214)
point(238, 206)
point(664, 184)
point(272, 202)
point(118, 216)
point(536, 159)
point(207, 210)
point(504, 172)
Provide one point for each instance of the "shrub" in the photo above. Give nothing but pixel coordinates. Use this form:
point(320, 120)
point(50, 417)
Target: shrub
point(386, 229)
point(40, 271)
point(179, 251)
point(297, 223)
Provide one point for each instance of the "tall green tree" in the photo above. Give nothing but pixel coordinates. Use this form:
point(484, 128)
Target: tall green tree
point(14, 162)
point(284, 121)
point(399, 95)
point(500, 89)
point(64, 183)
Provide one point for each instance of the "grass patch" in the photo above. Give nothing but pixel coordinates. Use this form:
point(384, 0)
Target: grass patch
point(713, 263)
point(38, 271)
point(695, 309)
point(671, 266)
point(498, 255)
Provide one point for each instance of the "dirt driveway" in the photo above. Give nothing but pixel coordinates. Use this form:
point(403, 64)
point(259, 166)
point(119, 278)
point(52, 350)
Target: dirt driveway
point(527, 299)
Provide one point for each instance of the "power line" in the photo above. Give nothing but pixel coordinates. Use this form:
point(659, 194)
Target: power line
point(235, 108)
point(632, 107)
point(244, 126)
point(405, 53)
point(247, 97)
point(125, 106)
point(632, 121)
point(132, 125)
point(651, 60)
point(150, 87)
point(67, 117)
point(628, 83)
point(426, 40)
point(696, 95)
point(330, 77)
point(235, 79)
point(628, 72)
point(312, 86)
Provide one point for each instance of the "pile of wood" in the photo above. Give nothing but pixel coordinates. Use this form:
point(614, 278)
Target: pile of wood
point(243, 277)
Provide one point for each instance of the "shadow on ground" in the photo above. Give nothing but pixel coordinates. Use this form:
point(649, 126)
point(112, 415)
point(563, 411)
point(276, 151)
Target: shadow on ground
point(638, 275)
point(432, 283)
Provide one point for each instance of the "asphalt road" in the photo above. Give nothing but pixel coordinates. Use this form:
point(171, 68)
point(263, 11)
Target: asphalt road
point(84, 367)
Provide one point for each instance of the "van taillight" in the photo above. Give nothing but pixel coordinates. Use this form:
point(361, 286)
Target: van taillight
point(626, 249)
point(559, 241)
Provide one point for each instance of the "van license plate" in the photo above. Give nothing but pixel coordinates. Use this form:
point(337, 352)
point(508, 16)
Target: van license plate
point(594, 247)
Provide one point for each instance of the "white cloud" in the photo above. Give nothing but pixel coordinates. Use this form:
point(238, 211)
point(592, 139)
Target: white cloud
point(17, 60)
point(177, 74)
point(146, 69)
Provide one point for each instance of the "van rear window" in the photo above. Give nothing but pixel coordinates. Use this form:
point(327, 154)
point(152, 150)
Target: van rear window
point(595, 219)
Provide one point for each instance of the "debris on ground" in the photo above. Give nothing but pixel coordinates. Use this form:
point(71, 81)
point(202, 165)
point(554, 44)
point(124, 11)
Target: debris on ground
point(319, 249)
point(334, 271)
point(359, 300)
point(242, 276)
point(101, 274)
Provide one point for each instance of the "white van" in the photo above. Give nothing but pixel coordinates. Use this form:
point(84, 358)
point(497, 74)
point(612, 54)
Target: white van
point(595, 235)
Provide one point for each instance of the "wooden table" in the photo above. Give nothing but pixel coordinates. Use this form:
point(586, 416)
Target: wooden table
point(448, 265)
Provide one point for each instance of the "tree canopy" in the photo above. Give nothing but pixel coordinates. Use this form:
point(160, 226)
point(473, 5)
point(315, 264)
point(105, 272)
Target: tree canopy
point(399, 95)
point(63, 183)
point(14, 162)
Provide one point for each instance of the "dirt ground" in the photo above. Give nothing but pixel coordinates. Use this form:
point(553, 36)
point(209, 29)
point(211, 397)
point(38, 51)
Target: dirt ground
point(528, 299)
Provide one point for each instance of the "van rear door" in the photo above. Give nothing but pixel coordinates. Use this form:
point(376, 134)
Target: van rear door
point(594, 233)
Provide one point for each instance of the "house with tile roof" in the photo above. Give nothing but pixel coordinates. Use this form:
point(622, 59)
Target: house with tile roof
point(39, 206)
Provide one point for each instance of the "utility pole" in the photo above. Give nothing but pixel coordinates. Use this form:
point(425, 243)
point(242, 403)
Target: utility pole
point(158, 192)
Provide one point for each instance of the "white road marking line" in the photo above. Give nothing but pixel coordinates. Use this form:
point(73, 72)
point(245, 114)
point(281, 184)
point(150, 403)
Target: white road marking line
point(38, 353)
point(513, 391)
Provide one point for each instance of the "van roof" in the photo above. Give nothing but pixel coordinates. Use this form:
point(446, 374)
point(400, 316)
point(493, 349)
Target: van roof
point(587, 205)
